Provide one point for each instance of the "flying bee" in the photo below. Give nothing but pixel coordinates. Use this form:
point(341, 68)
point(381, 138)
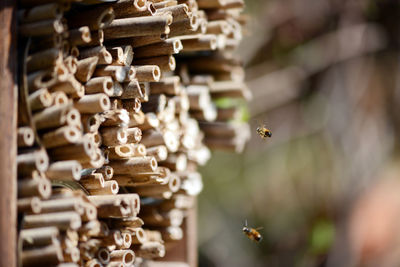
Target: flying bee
point(263, 132)
point(252, 233)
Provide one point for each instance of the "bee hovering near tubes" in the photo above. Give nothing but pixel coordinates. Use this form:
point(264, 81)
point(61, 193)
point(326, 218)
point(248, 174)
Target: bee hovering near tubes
point(263, 132)
point(252, 233)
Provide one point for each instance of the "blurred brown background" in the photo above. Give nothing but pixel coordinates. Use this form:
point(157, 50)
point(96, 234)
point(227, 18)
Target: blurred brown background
point(325, 78)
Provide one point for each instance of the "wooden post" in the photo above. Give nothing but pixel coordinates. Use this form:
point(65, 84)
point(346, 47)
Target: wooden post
point(8, 140)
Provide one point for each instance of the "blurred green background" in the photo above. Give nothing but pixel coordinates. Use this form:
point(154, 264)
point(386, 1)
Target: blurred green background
point(325, 79)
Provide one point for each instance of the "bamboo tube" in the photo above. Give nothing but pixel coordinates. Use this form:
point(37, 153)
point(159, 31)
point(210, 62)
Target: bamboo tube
point(226, 114)
point(117, 89)
point(90, 212)
point(156, 104)
point(104, 55)
point(110, 187)
point(218, 27)
point(151, 121)
point(39, 12)
point(134, 165)
point(230, 89)
point(127, 257)
point(133, 222)
point(117, 54)
point(25, 137)
point(56, 116)
point(36, 160)
point(116, 118)
point(167, 85)
point(97, 38)
point(132, 105)
point(79, 152)
point(136, 119)
point(69, 85)
point(203, 42)
point(138, 235)
point(173, 185)
point(127, 240)
point(62, 136)
point(114, 136)
point(150, 250)
point(91, 122)
point(165, 63)
point(134, 135)
point(148, 73)
point(71, 63)
point(199, 97)
point(51, 254)
point(63, 204)
point(29, 205)
point(113, 205)
point(93, 103)
point(62, 220)
point(171, 233)
point(106, 171)
point(103, 255)
point(39, 236)
point(179, 12)
point(69, 170)
point(118, 73)
point(34, 187)
point(91, 228)
point(154, 138)
point(132, 180)
point(93, 263)
point(93, 181)
point(41, 28)
point(179, 201)
point(211, 4)
point(167, 47)
point(153, 236)
point(184, 27)
point(86, 68)
point(152, 217)
point(120, 152)
point(129, 27)
point(128, 7)
point(95, 137)
point(132, 90)
point(71, 254)
point(43, 59)
point(176, 162)
point(79, 36)
point(42, 79)
point(95, 18)
point(159, 152)
point(40, 99)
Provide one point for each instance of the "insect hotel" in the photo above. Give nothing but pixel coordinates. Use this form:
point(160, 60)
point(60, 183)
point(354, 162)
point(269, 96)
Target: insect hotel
point(107, 109)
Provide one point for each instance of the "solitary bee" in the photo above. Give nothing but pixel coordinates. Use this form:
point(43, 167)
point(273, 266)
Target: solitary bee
point(252, 233)
point(263, 132)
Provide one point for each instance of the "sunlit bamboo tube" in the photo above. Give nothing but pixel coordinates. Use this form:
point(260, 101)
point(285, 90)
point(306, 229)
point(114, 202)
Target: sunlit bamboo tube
point(29, 205)
point(59, 98)
point(134, 165)
point(93, 263)
point(56, 116)
point(62, 204)
point(132, 105)
point(128, 7)
point(120, 152)
point(93, 103)
point(62, 136)
point(173, 185)
point(159, 152)
point(115, 117)
point(103, 255)
point(134, 135)
point(69, 170)
point(101, 52)
point(164, 48)
point(40, 99)
point(43, 79)
point(171, 233)
point(79, 36)
point(150, 250)
point(165, 63)
point(80, 152)
point(199, 42)
point(127, 257)
point(167, 85)
point(153, 236)
point(154, 217)
point(138, 235)
point(39, 236)
point(118, 73)
point(69, 85)
point(93, 181)
point(179, 12)
point(129, 27)
point(110, 187)
point(86, 68)
point(127, 240)
point(175, 162)
point(30, 187)
point(132, 90)
point(114, 136)
point(35, 160)
point(184, 27)
point(133, 222)
point(25, 137)
point(62, 220)
point(106, 171)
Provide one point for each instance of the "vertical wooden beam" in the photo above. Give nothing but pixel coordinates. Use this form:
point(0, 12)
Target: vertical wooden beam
point(8, 128)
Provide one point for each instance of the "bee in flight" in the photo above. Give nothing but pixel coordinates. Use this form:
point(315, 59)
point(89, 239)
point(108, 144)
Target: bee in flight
point(263, 132)
point(252, 233)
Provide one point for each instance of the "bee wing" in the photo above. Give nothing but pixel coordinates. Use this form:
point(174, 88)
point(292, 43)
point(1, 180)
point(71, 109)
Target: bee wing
point(259, 228)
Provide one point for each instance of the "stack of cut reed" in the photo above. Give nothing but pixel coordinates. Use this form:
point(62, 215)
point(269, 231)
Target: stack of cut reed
point(107, 122)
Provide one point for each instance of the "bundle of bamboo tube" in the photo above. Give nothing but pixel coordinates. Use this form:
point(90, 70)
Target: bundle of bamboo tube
point(116, 111)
